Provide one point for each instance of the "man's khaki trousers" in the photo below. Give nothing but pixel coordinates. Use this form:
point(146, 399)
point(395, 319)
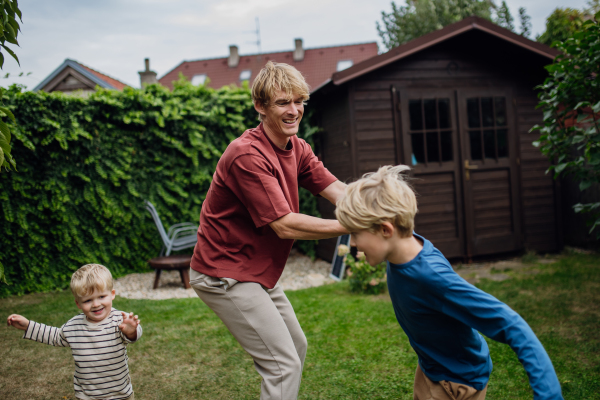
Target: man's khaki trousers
point(426, 389)
point(264, 323)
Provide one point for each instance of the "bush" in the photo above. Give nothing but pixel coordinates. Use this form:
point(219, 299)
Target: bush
point(362, 277)
point(87, 164)
point(570, 99)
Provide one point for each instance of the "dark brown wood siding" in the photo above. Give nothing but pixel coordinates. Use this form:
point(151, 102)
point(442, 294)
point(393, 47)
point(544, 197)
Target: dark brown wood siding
point(335, 142)
point(538, 189)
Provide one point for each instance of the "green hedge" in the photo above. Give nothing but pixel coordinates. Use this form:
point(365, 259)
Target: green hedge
point(85, 165)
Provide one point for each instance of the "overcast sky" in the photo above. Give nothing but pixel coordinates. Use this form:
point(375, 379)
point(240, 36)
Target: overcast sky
point(114, 36)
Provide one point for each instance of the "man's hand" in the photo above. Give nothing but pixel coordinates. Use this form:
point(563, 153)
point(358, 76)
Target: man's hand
point(129, 325)
point(18, 321)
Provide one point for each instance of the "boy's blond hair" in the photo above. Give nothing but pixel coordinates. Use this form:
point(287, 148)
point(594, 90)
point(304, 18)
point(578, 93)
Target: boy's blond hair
point(89, 278)
point(382, 196)
point(278, 76)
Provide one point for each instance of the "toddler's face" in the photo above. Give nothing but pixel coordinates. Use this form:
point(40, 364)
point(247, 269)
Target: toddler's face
point(97, 305)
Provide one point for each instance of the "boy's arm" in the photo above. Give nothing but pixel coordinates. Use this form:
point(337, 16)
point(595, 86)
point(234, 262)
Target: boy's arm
point(499, 322)
point(38, 332)
point(130, 327)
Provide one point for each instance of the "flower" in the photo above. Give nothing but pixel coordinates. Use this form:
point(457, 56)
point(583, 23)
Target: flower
point(343, 250)
point(374, 282)
point(349, 272)
point(360, 255)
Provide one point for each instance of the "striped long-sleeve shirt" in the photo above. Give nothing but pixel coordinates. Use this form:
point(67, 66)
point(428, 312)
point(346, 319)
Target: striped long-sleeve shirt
point(101, 370)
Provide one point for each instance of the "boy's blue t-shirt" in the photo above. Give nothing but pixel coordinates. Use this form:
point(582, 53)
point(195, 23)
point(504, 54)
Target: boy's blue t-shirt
point(441, 313)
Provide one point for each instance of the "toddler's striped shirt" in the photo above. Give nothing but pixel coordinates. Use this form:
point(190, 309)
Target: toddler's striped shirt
point(101, 370)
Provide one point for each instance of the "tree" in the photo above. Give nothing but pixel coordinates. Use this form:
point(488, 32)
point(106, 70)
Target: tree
point(561, 25)
point(9, 29)
point(570, 99)
point(525, 21)
point(504, 18)
point(420, 17)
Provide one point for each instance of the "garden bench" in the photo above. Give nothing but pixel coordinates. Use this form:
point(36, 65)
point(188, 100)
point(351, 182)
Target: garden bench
point(175, 262)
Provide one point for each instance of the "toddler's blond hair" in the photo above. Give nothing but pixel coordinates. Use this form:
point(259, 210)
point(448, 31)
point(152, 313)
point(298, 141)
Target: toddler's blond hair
point(89, 278)
point(382, 196)
point(278, 76)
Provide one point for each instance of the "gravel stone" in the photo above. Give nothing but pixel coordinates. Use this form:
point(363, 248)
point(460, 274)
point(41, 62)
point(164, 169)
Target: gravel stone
point(300, 272)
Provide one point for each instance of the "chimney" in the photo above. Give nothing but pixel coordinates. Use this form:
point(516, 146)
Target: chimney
point(234, 57)
point(298, 51)
point(147, 77)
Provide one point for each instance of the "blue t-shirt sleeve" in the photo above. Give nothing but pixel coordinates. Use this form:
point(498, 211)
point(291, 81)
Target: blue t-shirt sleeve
point(483, 312)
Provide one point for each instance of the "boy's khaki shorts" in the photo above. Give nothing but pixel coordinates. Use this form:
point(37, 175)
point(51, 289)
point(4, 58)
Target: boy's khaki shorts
point(426, 389)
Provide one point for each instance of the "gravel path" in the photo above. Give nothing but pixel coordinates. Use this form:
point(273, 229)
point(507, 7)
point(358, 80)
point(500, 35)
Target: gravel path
point(300, 273)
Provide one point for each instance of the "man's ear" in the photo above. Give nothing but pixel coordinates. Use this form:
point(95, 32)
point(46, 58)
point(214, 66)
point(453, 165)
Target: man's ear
point(112, 293)
point(260, 108)
point(387, 229)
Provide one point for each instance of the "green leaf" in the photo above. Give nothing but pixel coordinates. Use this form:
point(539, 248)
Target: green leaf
point(4, 145)
point(5, 131)
point(584, 185)
point(581, 104)
point(596, 107)
point(2, 275)
point(6, 111)
point(1, 158)
point(12, 54)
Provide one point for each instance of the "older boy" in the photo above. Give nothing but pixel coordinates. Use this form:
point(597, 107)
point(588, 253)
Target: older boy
point(97, 337)
point(438, 310)
point(248, 224)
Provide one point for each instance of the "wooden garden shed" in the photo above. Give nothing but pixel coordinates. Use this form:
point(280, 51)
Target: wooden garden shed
point(457, 106)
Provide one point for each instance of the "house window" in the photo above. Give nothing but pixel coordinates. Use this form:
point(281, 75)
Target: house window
point(245, 75)
point(198, 79)
point(487, 127)
point(344, 64)
point(430, 130)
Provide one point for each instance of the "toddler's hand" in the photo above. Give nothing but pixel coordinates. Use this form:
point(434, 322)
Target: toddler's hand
point(129, 325)
point(18, 321)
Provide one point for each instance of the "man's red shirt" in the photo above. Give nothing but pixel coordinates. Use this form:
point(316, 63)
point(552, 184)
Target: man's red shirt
point(255, 183)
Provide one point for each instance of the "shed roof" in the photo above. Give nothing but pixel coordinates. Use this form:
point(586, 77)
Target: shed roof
point(96, 77)
point(433, 38)
point(317, 65)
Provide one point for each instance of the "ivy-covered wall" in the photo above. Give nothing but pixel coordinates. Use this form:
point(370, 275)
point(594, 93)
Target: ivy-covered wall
point(85, 165)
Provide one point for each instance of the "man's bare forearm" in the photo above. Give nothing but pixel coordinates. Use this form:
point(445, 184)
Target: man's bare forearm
point(305, 227)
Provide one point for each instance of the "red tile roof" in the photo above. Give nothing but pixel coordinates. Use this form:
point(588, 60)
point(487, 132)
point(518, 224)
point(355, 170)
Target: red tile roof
point(111, 81)
point(317, 66)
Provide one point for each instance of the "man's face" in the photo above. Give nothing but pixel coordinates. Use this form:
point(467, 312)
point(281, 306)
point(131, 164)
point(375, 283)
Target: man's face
point(97, 305)
point(282, 116)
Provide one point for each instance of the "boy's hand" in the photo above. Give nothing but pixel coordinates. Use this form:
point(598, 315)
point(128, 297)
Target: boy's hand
point(129, 325)
point(18, 321)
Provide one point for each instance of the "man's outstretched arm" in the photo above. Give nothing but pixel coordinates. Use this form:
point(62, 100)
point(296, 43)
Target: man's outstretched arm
point(305, 227)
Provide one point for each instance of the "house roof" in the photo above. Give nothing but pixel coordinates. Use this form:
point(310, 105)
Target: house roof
point(96, 77)
point(317, 65)
point(433, 38)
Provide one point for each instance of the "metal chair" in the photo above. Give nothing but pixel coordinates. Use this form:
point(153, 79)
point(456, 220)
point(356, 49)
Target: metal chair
point(178, 236)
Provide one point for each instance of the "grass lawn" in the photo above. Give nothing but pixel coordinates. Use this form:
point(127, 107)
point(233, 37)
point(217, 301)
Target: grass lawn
point(356, 348)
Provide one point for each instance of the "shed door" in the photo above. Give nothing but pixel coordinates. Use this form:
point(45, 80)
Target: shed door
point(489, 171)
point(430, 145)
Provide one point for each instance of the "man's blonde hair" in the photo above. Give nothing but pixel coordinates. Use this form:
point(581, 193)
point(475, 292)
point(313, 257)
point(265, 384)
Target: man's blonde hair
point(278, 76)
point(89, 278)
point(382, 196)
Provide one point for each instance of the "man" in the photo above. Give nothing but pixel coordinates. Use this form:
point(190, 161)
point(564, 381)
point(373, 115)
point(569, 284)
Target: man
point(249, 222)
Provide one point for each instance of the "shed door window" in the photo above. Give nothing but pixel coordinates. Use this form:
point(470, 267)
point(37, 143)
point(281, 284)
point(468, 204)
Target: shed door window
point(487, 127)
point(430, 130)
